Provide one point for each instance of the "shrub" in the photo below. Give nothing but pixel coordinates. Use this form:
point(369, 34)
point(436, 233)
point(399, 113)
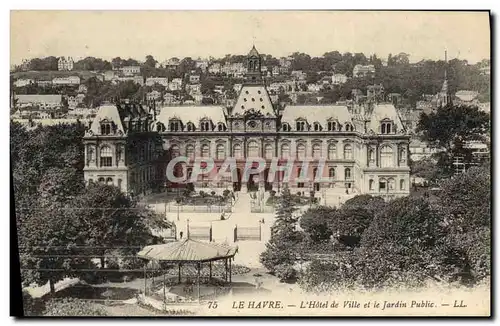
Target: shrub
point(212, 193)
point(72, 307)
point(286, 273)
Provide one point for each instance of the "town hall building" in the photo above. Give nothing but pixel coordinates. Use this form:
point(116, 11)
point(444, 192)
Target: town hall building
point(365, 147)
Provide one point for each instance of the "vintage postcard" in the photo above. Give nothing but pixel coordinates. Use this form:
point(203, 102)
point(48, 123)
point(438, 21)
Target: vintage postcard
point(251, 163)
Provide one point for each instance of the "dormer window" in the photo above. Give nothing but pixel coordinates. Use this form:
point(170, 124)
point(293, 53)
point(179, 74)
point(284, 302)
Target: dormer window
point(106, 128)
point(301, 126)
point(349, 127)
point(386, 127)
point(317, 126)
point(160, 127)
point(175, 125)
point(205, 126)
point(190, 126)
point(285, 127)
point(221, 127)
point(332, 126)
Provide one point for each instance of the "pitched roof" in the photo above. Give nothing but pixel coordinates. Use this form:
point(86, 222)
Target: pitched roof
point(381, 112)
point(187, 250)
point(253, 97)
point(320, 113)
point(191, 113)
point(107, 112)
point(253, 52)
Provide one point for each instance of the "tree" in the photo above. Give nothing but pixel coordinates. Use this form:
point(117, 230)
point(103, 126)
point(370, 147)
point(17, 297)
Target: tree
point(315, 222)
point(284, 236)
point(72, 307)
point(150, 61)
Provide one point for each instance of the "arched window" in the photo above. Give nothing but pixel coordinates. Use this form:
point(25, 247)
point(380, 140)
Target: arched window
point(371, 184)
point(205, 150)
point(285, 127)
point(268, 151)
point(190, 126)
point(349, 127)
point(253, 149)
point(332, 152)
point(190, 151)
point(402, 184)
point(221, 152)
point(237, 151)
point(331, 173)
point(348, 152)
point(347, 173)
point(220, 127)
point(285, 151)
point(160, 127)
point(205, 126)
point(332, 126)
point(109, 181)
point(316, 151)
point(175, 151)
point(175, 125)
point(106, 156)
point(301, 126)
point(105, 128)
point(101, 180)
point(386, 159)
point(386, 127)
point(402, 155)
point(317, 126)
point(301, 151)
point(91, 153)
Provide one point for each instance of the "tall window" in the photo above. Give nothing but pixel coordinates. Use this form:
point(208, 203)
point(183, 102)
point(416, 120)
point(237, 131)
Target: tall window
point(332, 152)
point(332, 126)
point(268, 151)
point(237, 151)
point(190, 151)
point(347, 173)
point(301, 151)
point(190, 126)
point(386, 159)
point(392, 184)
point(175, 151)
point(285, 127)
point(91, 153)
point(349, 127)
point(253, 149)
point(220, 127)
point(301, 126)
point(317, 127)
point(175, 126)
point(205, 150)
point(285, 151)
point(221, 152)
point(371, 155)
point(205, 126)
point(371, 184)
point(402, 155)
point(348, 152)
point(106, 156)
point(331, 173)
point(401, 184)
point(105, 128)
point(386, 127)
point(316, 151)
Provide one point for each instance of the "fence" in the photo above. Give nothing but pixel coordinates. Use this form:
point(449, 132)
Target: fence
point(174, 208)
point(199, 232)
point(248, 233)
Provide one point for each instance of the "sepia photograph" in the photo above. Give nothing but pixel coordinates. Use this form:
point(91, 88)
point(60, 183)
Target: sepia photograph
point(250, 163)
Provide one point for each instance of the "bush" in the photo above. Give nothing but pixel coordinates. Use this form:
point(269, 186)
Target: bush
point(226, 193)
point(32, 306)
point(212, 193)
point(72, 307)
point(286, 273)
point(202, 193)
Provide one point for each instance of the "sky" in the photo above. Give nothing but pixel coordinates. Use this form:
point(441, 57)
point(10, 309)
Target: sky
point(166, 34)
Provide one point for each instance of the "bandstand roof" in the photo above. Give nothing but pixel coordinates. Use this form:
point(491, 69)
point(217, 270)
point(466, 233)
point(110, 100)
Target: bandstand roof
point(187, 250)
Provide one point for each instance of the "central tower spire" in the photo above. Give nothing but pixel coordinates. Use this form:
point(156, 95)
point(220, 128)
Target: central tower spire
point(254, 73)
